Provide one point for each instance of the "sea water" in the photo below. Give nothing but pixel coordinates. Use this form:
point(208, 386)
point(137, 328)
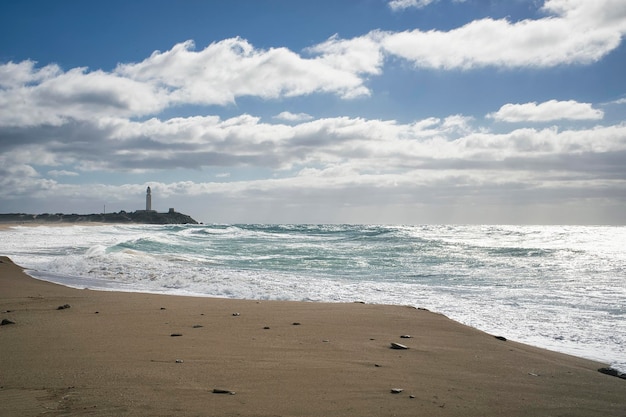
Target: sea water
point(557, 287)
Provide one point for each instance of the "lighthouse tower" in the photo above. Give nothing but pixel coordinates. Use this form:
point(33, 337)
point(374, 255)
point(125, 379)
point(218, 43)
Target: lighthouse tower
point(148, 200)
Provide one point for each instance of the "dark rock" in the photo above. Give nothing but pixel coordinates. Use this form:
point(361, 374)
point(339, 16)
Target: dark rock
point(501, 338)
point(176, 334)
point(6, 322)
point(612, 372)
point(396, 390)
point(63, 307)
point(236, 314)
point(296, 323)
point(398, 346)
point(223, 391)
point(406, 336)
point(197, 326)
point(266, 328)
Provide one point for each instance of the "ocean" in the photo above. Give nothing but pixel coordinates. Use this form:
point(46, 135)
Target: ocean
point(558, 287)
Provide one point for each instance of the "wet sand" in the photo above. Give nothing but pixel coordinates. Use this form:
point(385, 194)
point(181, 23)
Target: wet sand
point(113, 353)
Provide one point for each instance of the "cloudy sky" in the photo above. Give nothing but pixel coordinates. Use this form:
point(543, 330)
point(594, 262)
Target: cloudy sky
point(352, 111)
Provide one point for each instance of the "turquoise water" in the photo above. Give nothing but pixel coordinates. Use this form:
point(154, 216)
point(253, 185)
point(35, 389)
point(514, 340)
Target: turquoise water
point(559, 287)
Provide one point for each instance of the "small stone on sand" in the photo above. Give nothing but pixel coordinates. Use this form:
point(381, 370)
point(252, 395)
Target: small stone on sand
point(396, 390)
point(63, 307)
point(223, 391)
point(176, 334)
point(398, 346)
point(6, 321)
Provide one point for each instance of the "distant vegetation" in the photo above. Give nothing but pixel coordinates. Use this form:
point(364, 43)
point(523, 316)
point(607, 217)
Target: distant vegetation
point(144, 217)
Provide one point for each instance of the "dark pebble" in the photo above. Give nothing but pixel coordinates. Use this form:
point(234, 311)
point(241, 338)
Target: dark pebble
point(197, 326)
point(176, 334)
point(612, 372)
point(296, 323)
point(501, 338)
point(6, 321)
point(63, 307)
point(223, 391)
point(398, 346)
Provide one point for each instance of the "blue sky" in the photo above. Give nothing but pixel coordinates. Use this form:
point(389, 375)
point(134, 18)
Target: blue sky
point(373, 111)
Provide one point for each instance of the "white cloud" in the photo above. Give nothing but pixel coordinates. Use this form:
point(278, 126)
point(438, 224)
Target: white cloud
point(233, 68)
point(619, 101)
point(547, 111)
point(218, 74)
point(62, 173)
point(293, 117)
point(319, 162)
point(574, 32)
point(406, 4)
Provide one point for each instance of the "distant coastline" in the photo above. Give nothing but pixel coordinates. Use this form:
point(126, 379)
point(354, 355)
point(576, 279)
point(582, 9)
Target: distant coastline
point(139, 216)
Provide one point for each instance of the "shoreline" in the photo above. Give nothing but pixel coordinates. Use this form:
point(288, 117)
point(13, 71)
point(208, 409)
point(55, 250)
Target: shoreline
point(115, 353)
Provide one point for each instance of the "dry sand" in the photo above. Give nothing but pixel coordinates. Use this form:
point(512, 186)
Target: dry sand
point(113, 354)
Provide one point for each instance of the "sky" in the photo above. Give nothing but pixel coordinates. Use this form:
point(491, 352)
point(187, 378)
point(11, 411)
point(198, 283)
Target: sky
point(326, 111)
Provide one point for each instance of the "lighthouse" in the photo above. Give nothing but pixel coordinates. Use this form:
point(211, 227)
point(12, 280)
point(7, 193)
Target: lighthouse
point(148, 200)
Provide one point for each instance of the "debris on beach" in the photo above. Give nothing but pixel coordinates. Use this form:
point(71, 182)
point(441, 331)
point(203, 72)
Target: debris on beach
point(396, 390)
point(223, 391)
point(63, 307)
point(296, 323)
point(179, 361)
point(398, 346)
point(612, 372)
point(236, 314)
point(197, 326)
point(501, 338)
point(406, 336)
point(6, 322)
point(176, 334)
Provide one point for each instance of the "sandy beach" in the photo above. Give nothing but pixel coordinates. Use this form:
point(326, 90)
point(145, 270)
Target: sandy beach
point(130, 354)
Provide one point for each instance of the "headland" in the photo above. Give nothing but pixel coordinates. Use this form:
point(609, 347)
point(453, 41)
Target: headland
point(139, 216)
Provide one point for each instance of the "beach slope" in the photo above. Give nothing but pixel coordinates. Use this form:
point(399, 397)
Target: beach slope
point(66, 351)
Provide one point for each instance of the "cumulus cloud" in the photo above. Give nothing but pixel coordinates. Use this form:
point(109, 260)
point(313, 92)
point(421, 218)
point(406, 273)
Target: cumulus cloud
point(293, 117)
point(330, 160)
point(406, 4)
point(232, 68)
point(546, 112)
point(573, 32)
point(62, 173)
point(215, 75)
point(366, 145)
